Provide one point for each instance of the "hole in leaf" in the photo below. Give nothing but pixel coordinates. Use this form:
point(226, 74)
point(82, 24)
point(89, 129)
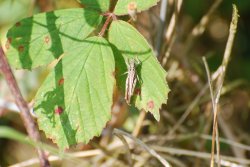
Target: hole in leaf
point(151, 105)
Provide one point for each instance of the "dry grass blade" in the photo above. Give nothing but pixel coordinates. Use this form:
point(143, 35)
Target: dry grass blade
point(221, 78)
point(215, 114)
point(129, 156)
point(234, 162)
point(143, 145)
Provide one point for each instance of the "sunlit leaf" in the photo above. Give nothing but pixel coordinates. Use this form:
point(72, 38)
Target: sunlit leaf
point(40, 39)
point(123, 7)
point(152, 89)
point(100, 5)
point(74, 103)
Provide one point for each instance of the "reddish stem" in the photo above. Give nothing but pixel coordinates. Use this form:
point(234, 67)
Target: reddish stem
point(105, 26)
point(29, 123)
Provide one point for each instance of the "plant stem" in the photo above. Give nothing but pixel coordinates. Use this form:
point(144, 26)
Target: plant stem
point(221, 78)
point(105, 26)
point(29, 123)
point(143, 145)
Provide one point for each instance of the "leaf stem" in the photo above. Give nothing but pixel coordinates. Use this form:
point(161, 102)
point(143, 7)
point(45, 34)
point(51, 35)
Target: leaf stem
point(29, 123)
point(105, 26)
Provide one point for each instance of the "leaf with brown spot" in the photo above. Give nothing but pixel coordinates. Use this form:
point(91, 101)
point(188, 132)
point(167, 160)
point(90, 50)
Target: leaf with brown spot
point(74, 103)
point(152, 89)
point(123, 7)
point(46, 36)
point(20, 48)
point(18, 24)
point(58, 110)
point(151, 105)
point(61, 81)
point(47, 39)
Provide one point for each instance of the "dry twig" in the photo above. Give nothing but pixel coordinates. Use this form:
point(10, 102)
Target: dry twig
point(143, 145)
point(221, 78)
point(29, 123)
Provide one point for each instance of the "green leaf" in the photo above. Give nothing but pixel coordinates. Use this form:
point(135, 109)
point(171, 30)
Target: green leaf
point(153, 90)
point(74, 103)
point(100, 5)
point(40, 39)
point(123, 6)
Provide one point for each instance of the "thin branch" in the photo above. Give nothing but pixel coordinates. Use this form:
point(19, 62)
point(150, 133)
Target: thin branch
point(143, 145)
point(110, 16)
point(29, 123)
point(214, 113)
point(226, 58)
point(130, 161)
point(225, 159)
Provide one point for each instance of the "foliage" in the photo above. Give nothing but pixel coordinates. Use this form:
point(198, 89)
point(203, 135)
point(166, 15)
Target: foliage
point(74, 103)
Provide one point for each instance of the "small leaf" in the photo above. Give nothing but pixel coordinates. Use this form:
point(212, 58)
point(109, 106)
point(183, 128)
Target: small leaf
point(152, 89)
point(100, 5)
point(123, 7)
point(74, 103)
point(40, 39)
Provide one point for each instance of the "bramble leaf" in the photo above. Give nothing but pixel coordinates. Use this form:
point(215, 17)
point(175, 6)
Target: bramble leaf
point(123, 6)
point(100, 5)
point(40, 39)
point(151, 90)
point(74, 103)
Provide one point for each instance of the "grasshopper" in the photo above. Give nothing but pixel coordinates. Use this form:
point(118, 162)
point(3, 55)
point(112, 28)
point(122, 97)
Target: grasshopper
point(131, 80)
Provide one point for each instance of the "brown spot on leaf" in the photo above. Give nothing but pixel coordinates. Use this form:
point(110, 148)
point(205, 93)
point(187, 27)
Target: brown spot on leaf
point(9, 40)
point(20, 48)
point(58, 110)
point(137, 91)
point(17, 24)
point(47, 39)
point(151, 105)
point(7, 45)
point(61, 81)
point(53, 139)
